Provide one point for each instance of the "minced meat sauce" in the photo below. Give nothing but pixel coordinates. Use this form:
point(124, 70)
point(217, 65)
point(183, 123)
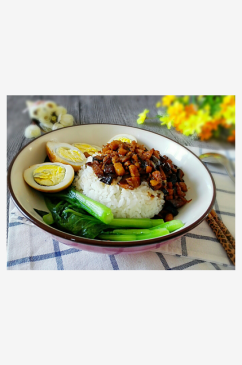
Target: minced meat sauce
point(131, 163)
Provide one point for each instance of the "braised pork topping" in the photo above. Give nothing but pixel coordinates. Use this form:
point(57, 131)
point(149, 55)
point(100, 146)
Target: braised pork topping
point(131, 163)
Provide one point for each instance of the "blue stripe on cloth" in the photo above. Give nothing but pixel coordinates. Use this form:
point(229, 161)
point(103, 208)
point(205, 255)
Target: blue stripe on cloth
point(188, 264)
point(18, 217)
point(184, 246)
point(224, 213)
point(13, 224)
point(163, 260)
point(69, 251)
point(215, 265)
point(201, 237)
point(219, 173)
point(59, 260)
point(226, 191)
point(40, 257)
point(114, 262)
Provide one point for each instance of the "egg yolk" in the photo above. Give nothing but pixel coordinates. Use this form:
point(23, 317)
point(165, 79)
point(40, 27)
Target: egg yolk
point(69, 154)
point(86, 148)
point(124, 139)
point(49, 175)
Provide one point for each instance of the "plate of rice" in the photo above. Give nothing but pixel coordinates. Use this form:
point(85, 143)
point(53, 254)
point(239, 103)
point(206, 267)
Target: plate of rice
point(142, 176)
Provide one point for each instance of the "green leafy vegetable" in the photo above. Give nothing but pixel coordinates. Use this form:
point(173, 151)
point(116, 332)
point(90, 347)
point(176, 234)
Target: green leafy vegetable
point(73, 212)
point(134, 237)
point(131, 231)
point(135, 222)
point(153, 234)
point(142, 234)
point(41, 212)
point(48, 219)
point(171, 226)
point(97, 210)
point(117, 237)
point(47, 216)
point(67, 219)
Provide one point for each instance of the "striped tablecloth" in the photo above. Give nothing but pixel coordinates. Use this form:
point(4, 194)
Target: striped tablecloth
point(30, 248)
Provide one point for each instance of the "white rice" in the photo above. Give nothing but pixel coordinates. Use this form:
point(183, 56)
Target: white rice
point(142, 202)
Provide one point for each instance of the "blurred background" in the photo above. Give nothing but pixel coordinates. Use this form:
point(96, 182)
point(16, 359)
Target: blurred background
point(190, 120)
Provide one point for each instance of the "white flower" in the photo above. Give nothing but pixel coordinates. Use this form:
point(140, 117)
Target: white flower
point(57, 126)
point(66, 120)
point(32, 131)
point(60, 110)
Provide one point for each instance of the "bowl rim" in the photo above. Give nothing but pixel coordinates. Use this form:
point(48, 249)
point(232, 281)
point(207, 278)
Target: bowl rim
point(108, 244)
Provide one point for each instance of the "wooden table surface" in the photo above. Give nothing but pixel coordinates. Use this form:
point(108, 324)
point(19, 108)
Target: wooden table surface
point(122, 110)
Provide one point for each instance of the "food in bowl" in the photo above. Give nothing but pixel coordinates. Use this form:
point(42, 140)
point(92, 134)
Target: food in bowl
point(200, 183)
point(48, 177)
point(123, 138)
point(87, 149)
point(66, 154)
point(116, 192)
point(133, 181)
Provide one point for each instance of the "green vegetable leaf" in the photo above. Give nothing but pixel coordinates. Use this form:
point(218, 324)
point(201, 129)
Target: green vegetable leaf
point(72, 221)
point(41, 212)
point(80, 201)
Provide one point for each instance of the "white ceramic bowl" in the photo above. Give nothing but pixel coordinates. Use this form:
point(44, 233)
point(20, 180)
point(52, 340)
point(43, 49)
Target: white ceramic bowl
point(201, 187)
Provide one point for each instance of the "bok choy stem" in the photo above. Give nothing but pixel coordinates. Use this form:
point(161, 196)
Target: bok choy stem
point(134, 223)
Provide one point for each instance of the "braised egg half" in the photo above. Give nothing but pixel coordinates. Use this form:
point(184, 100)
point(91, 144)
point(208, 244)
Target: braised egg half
point(124, 138)
point(49, 177)
point(90, 149)
point(66, 154)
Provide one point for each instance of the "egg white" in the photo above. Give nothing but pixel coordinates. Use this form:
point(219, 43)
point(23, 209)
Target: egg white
point(54, 156)
point(69, 176)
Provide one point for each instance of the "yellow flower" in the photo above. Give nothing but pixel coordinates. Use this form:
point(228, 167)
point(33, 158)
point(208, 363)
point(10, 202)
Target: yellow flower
point(229, 115)
point(207, 108)
point(142, 116)
point(176, 114)
point(176, 110)
point(228, 100)
point(168, 99)
point(158, 104)
point(190, 109)
point(208, 128)
point(185, 99)
point(218, 115)
point(166, 120)
point(194, 123)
